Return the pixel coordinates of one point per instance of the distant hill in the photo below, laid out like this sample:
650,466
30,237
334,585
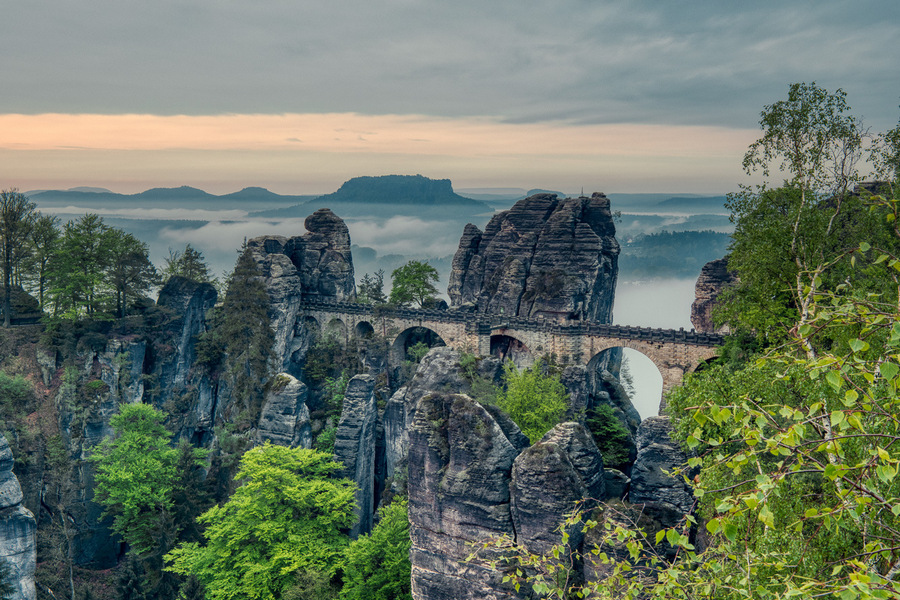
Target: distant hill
183,197
398,189
387,194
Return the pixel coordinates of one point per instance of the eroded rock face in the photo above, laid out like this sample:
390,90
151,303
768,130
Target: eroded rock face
548,479
17,530
439,371
284,419
714,277
543,257
459,474
314,266
656,453
354,446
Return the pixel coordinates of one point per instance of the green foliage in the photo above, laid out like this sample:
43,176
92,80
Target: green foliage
417,351
610,435
671,254
413,282
378,566
286,517
371,288
240,340
535,401
329,357
481,388
188,263
17,216
130,272
16,396
136,476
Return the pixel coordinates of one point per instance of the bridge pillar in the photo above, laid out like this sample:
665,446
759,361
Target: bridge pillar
483,329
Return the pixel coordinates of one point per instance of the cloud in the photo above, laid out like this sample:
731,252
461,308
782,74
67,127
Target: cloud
410,236
646,61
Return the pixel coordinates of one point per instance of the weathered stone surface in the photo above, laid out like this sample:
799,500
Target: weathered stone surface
714,277
616,484
17,530
656,453
189,302
122,369
544,256
459,475
314,266
439,371
284,419
548,479
354,446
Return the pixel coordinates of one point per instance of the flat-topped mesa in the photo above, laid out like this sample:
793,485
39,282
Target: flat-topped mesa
545,256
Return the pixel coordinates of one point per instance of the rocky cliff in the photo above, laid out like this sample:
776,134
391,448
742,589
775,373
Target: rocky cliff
17,531
314,266
543,257
714,277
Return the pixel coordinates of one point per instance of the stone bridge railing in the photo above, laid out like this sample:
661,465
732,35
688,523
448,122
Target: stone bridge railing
484,323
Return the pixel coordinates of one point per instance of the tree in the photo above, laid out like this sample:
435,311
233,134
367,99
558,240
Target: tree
371,288
534,400
240,340
131,273
17,214
188,263
136,474
413,282
44,238
286,517
378,566
790,240
77,270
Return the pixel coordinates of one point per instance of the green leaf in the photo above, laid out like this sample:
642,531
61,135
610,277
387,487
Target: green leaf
766,516
713,526
731,531
864,247
888,370
837,417
858,345
834,379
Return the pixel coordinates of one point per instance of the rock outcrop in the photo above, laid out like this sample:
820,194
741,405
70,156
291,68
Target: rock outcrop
459,475
354,446
284,419
314,266
17,530
543,257
657,454
714,277
548,479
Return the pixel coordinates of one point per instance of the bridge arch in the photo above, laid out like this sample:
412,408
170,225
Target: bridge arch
364,329
411,336
640,377
336,328
505,346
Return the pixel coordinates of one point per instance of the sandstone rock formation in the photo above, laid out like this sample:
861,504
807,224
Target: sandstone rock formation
314,266
548,479
354,446
439,371
714,277
543,257
284,419
459,475
656,455
17,530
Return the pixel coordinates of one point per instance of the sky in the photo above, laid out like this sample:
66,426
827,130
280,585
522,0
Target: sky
639,96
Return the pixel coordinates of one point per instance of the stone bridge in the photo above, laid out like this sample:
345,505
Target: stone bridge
674,352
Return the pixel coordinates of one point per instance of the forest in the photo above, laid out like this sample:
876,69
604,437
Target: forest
792,433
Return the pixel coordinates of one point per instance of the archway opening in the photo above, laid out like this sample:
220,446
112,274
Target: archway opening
507,347
336,329
364,329
413,343
638,376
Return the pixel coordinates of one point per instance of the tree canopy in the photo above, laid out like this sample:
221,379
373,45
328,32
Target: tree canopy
534,400
17,216
286,517
413,282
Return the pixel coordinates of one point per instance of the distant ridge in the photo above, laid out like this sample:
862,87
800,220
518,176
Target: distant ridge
398,189
162,195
